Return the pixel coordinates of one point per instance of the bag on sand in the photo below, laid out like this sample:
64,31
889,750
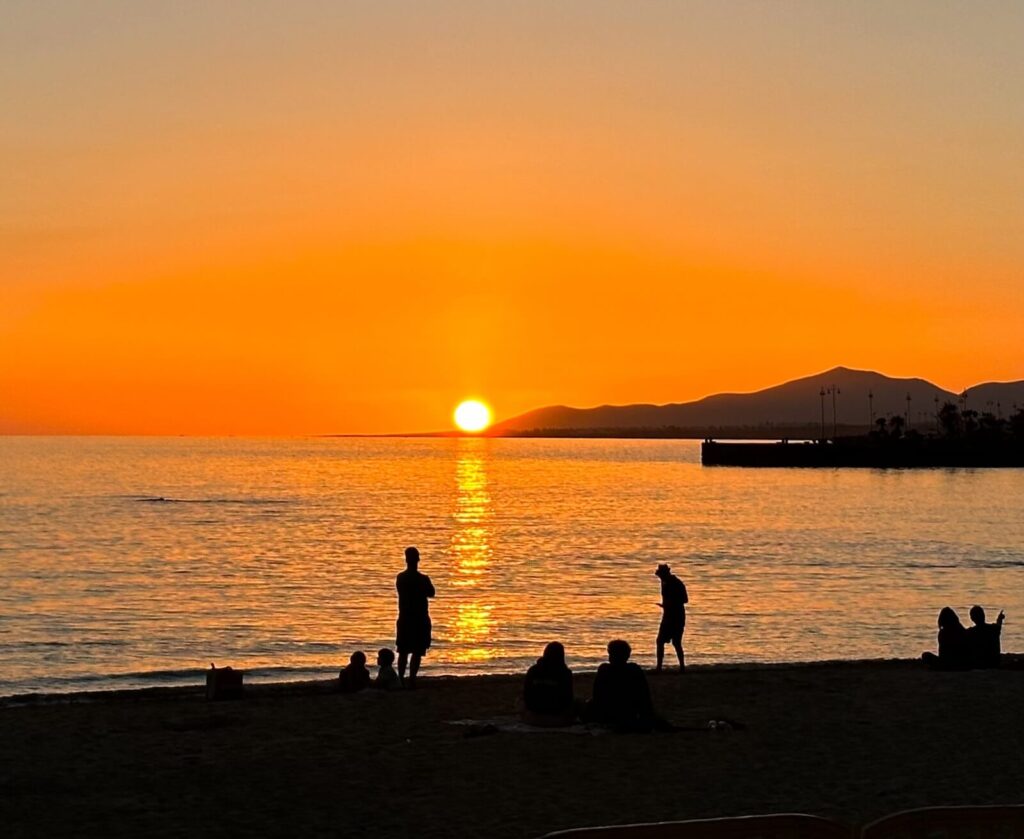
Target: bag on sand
223,683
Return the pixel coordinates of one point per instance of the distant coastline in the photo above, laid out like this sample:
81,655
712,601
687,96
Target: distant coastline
840,402
750,432
836,402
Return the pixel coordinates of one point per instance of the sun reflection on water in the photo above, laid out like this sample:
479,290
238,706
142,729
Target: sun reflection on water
471,555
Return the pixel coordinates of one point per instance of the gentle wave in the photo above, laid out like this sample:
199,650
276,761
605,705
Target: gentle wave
184,677
20,645
159,499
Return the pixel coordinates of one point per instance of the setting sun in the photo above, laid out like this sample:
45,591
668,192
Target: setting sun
472,415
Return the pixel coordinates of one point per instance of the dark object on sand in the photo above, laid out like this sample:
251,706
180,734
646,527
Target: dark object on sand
223,683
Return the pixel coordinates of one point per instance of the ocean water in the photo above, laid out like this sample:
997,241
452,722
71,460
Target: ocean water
130,562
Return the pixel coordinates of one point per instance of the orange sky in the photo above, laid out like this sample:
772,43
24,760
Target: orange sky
318,217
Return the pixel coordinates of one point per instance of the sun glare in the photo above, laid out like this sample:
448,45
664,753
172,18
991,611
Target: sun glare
472,415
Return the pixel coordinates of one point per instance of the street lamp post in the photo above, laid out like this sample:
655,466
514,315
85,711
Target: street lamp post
822,395
834,390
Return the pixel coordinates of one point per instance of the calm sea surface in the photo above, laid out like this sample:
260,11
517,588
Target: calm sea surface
137,561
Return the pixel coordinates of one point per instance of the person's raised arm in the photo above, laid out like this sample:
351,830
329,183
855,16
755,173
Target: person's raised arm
1001,618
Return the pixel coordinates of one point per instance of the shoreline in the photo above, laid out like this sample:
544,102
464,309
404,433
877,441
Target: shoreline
311,687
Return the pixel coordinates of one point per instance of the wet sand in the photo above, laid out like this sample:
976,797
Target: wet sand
852,741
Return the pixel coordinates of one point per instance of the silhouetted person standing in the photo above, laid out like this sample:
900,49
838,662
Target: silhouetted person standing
413,629
621,698
673,614
953,651
983,639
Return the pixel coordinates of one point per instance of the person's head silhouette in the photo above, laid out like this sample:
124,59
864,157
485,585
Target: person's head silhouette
358,659
663,571
412,557
977,615
619,652
385,657
554,654
948,618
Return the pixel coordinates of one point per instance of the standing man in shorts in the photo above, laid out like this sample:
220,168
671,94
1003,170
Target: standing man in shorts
413,629
673,614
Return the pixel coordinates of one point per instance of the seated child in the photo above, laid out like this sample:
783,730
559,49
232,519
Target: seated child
387,678
354,677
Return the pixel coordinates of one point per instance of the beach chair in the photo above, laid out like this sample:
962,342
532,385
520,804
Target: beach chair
780,826
982,822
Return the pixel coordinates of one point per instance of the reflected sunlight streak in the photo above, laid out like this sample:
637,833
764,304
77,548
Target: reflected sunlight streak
470,552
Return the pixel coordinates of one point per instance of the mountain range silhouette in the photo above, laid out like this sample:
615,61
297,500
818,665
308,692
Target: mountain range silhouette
793,403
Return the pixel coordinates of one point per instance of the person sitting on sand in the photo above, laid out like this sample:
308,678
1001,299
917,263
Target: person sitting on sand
622,699
387,678
413,627
547,693
354,677
673,614
953,651
983,643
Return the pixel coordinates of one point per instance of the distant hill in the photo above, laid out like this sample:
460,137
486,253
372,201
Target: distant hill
796,403
996,397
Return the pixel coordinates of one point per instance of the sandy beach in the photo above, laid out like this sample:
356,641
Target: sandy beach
851,741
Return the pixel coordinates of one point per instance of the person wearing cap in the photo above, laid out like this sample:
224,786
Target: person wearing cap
673,614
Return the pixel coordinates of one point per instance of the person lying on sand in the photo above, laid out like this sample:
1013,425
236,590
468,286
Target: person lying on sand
354,677
387,678
953,650
547,692
622,699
